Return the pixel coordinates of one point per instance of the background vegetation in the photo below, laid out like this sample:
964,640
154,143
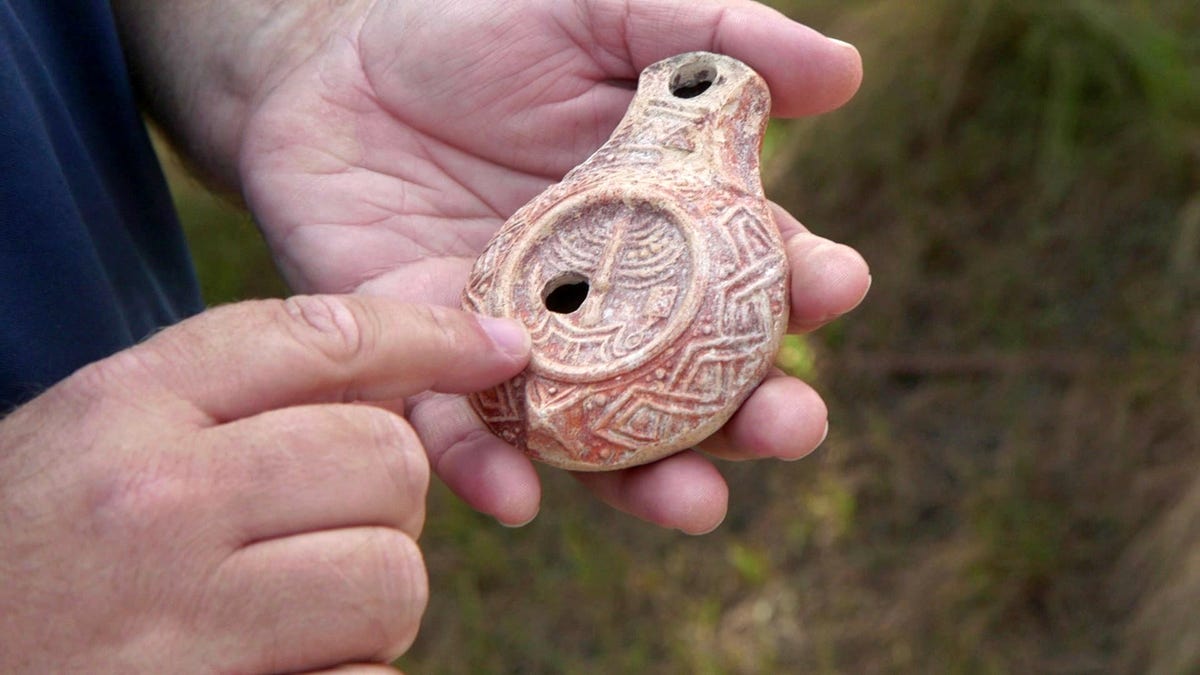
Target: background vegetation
1011,480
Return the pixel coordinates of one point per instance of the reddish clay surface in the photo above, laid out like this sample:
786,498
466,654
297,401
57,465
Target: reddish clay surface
652,278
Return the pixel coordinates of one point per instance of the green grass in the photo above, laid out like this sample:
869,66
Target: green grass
1007,486
232,260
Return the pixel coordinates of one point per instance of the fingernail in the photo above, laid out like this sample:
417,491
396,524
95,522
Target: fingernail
842,43
514,526
508,335
870,280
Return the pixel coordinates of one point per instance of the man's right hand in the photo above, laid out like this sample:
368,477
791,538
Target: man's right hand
236,494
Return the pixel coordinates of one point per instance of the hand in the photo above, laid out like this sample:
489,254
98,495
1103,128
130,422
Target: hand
215,498
383,162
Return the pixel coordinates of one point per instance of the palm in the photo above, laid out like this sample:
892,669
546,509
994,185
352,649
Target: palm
393,177
385,162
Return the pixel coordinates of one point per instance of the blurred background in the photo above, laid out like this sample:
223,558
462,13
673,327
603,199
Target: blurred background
1012,479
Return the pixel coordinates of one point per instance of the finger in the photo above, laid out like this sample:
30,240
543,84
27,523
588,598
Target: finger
316,600
807,72
359,669
488,474
783,418
242,359
683,492
828,279
310,468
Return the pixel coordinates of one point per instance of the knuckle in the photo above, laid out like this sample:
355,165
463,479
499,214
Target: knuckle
98,378
114,374
119,387
444,326
333,325
132,499
397,569
388,430
402,458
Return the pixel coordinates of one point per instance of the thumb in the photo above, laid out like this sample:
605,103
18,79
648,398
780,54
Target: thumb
242,359
807,72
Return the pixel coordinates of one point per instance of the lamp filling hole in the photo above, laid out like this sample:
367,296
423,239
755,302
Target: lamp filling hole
565,294
692,80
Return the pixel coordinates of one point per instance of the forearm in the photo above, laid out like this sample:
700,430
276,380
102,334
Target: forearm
200,66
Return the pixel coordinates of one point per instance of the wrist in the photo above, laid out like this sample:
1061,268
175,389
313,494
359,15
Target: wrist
200,68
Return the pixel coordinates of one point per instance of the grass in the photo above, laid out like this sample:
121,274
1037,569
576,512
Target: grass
232,260
1008,483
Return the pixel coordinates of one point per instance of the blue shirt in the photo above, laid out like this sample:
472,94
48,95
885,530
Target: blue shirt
92,258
